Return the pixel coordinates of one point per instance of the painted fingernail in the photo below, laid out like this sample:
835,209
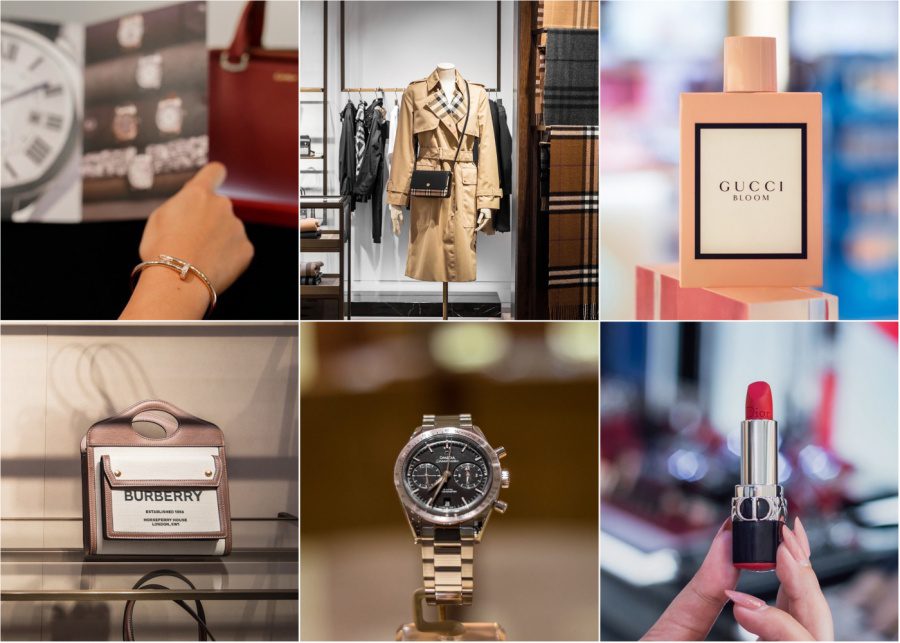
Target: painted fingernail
745,600
795,548
804,538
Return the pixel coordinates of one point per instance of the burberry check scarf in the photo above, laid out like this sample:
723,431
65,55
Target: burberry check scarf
572,77
570,203
574,14
442,106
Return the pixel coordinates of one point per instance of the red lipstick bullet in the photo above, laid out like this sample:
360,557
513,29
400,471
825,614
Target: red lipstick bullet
759,402
758,509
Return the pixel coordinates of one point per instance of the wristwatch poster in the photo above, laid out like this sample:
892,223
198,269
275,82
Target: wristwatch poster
146,107
448,478
42,97
105,121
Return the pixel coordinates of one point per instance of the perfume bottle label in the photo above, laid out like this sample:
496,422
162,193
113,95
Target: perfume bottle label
750,188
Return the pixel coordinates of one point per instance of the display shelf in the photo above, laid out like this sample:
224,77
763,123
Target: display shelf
65,575
330,287
330,241
323,90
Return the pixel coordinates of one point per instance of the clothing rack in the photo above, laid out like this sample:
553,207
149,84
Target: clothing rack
364,90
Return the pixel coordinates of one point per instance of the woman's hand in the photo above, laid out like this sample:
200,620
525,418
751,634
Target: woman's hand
198,226
691,615
800,612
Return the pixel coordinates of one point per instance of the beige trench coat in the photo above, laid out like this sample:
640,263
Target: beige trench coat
442,231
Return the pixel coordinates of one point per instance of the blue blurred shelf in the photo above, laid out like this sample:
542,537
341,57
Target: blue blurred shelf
860,164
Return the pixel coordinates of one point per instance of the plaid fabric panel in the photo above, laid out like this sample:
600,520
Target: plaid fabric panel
572,14
429,192
572,207
443,107
572,79
539,84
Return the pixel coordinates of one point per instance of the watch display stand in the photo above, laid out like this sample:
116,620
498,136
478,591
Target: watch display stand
445,629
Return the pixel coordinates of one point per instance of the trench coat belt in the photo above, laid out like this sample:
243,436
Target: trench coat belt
445,154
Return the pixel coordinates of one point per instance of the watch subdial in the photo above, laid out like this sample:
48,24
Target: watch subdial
426,475
467,475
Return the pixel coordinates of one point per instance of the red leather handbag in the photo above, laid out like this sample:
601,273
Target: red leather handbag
253,103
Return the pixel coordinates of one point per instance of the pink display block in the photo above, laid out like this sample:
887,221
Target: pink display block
661,296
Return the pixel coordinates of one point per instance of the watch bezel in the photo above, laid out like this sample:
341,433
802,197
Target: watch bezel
480,509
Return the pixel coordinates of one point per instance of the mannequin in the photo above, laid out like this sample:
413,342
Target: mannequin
447,76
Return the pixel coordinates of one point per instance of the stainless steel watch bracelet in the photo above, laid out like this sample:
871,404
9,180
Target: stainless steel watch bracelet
463,421
447,564
448,552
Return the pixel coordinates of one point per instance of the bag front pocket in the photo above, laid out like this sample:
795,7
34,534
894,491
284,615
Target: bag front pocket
150,498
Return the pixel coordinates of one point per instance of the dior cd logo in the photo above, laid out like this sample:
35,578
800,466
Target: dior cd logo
755,190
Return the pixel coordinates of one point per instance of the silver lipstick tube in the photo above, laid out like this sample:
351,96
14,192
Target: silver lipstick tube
758,507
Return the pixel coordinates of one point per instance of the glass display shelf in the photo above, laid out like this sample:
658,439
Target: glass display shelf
43,574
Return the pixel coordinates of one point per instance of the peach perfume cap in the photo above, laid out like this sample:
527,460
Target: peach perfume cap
750,64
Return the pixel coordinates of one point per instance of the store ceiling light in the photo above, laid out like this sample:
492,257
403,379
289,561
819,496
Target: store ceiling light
574,342
472,347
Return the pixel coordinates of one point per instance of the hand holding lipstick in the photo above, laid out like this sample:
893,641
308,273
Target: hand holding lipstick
691,615
800,613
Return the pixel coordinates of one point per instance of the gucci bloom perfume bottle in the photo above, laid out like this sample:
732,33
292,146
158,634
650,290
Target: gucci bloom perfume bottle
751,178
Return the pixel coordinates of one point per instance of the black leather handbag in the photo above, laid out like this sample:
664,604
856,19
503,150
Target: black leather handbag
436,183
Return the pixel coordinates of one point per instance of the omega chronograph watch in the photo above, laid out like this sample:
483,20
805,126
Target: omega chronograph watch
449,478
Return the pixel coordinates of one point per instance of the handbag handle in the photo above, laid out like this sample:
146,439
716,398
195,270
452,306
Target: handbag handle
198,615
151,411
248,35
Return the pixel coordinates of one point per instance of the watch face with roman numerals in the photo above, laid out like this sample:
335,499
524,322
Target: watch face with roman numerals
38,107
447,475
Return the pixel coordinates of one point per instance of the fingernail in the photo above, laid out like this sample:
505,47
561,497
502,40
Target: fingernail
800,529
795,548
745,600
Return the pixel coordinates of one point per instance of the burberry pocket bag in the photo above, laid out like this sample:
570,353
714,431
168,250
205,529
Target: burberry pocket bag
155,496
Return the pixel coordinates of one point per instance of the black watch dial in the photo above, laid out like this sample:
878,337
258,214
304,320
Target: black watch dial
447,475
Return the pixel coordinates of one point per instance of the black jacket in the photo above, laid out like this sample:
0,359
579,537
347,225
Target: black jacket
347,152
503,140
369,179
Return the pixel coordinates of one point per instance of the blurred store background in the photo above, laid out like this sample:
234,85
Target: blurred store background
653,51
532,388
672,400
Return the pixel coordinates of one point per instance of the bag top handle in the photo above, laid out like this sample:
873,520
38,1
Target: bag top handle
144,411
248,34
184,430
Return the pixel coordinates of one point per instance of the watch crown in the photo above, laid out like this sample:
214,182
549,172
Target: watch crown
501,452
504,478
500,506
